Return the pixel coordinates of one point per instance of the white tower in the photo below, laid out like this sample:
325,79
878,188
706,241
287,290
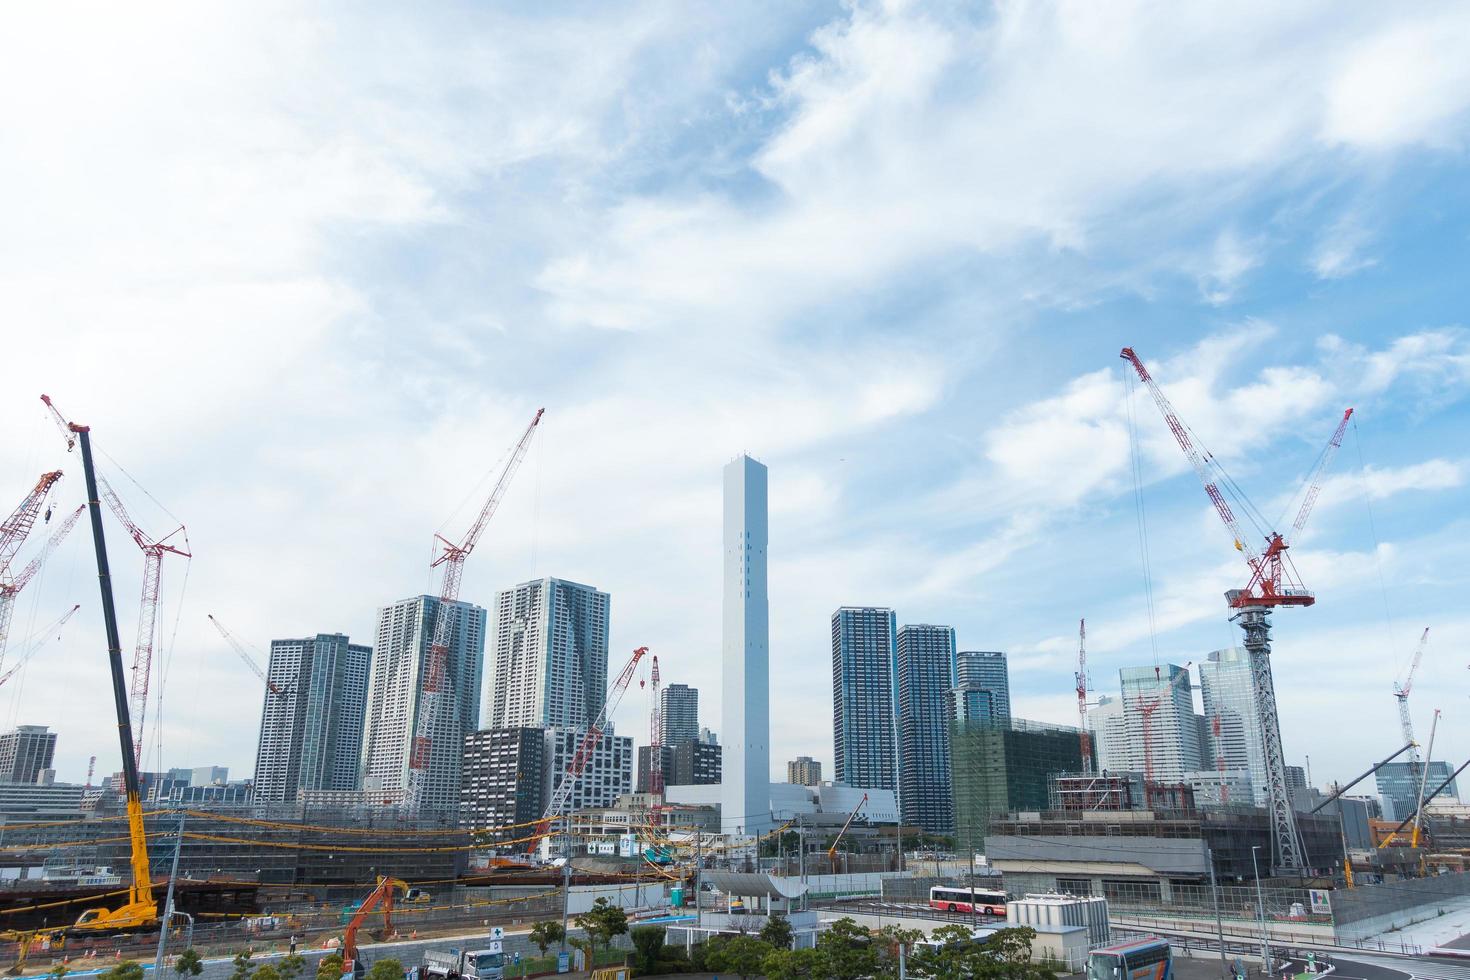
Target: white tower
745,799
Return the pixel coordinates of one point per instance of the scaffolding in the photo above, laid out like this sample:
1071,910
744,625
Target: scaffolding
1004,766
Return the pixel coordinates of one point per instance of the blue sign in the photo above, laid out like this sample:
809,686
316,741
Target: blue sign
563,963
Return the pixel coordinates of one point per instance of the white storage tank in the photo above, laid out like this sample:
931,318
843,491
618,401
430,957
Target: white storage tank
1062,910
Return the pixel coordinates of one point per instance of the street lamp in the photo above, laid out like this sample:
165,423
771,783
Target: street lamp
1261,914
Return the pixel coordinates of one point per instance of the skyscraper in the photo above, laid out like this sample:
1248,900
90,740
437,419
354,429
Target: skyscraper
985,670
925,679
24,752
745,800
1159,701
504,780
549,655
311,732
1109,736
405,630
864,726
679,713
1398,783
1225,684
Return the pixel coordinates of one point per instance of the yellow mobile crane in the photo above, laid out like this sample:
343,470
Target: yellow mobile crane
140,911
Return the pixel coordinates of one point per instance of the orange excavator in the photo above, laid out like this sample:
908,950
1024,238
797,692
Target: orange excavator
381,895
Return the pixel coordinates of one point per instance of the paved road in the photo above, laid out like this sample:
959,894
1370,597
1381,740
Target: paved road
1360,967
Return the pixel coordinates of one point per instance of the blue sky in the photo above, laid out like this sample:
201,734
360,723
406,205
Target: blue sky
309,270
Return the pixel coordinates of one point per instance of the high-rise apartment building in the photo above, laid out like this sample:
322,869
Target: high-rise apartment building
1159,701
985,670
804,771
925,678
864,722
548,655
25,751
607,775
745,799
504,780
1109,735
311,731
1229,703
400,648
679,713
690,763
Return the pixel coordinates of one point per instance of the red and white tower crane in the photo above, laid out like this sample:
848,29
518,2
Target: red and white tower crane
655,742
433,685
1146,705
11,588
245,655
18,525
1082,696
1273,583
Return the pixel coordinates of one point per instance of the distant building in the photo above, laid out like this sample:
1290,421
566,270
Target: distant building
1296,778
1230,705
213,794
609,770
400,650
679,714
708,737
548,655
644,783
1002,768
311,719
1398,784
25,751
1159,700
985,670
504,780
1109,734
864,723
1232,787
695,764
973,705
745,651
804,770
925,677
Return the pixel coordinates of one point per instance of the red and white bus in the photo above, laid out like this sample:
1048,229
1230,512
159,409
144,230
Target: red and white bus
967,900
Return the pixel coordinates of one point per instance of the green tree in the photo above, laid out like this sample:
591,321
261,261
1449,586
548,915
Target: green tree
795,964
266,972
125,971
743,956
648,941
546,934
329,967
242,966
389,969
58,971
777,932
848,951
291,966
188,963
603,921
1012,945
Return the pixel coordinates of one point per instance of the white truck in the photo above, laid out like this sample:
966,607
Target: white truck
466,964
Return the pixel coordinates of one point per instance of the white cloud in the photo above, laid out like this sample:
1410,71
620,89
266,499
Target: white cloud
1339,250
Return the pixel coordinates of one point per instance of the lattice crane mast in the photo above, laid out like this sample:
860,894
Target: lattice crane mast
18,525
1083,735
433,686
244,654
9,590
1273,583
562,793
655,740
35,648
1402,694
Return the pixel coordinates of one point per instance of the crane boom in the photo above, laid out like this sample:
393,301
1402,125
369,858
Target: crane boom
1314,482
1401,693
140,910
9,590
832,851
36,647
18,525
244,654
568,782
436,663
1082,696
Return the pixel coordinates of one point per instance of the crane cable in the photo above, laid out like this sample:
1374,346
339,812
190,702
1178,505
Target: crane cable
1135,457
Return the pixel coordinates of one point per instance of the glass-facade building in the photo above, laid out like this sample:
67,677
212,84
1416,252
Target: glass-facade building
985,670
864,726
1225,684
925,679
1159,701
1398,784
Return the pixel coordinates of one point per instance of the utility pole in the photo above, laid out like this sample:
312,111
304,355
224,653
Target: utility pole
168,901
1261,914
566,897
1219,926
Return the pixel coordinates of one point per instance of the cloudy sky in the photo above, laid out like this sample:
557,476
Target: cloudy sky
309,270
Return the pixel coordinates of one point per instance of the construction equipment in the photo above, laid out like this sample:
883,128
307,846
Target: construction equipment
11,589
36,647
244,654
1082,733
655,746
140,911
25,939
1273,583
1401,693
18,525
563,791
1147,705
432,687
381,895
832,851
1424,781
153,551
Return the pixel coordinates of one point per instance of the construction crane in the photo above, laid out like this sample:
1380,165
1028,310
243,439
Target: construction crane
655,741
832,851
433,685
562,793
91,771
1146,706
18,525
35,648
380,895
250,662
140,910
9,590
1402,694
1082,733
1273,583
153,551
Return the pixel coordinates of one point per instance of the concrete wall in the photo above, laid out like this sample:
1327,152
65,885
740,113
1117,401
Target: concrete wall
1368,910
